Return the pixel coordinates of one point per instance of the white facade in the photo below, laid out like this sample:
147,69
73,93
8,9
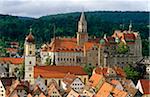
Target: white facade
139,87
2,90
77,85
40,83
30,61
61,58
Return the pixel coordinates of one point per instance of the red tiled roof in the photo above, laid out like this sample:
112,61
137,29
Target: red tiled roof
15,61
104,90
69,78
14,43
145,83
95,79
129,36
57,71
67,45
115,82
89,45
30,38
108,89
120,71
104,71
64,45
12,50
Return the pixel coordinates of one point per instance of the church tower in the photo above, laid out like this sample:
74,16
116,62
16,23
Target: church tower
82,35
30,57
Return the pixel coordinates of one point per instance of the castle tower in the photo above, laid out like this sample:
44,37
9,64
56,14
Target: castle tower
82,35
30,57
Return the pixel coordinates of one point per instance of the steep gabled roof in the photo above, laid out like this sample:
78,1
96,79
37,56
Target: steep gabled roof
69,78
95,79
107,89
145,83
51,89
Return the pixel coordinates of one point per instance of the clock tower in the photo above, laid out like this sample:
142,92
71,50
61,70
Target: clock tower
30,57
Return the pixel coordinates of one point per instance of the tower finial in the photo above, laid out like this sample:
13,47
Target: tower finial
130,26
30,30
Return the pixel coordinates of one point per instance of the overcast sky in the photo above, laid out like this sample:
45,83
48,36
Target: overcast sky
37,8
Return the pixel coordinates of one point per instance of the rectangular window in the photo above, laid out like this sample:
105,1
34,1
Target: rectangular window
30,52
46,82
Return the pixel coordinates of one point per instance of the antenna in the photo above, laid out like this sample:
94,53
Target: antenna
123,24
54,31
54,44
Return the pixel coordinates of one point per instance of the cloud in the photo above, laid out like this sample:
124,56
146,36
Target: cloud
37,8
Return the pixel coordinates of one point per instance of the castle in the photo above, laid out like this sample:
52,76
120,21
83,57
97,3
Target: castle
97,52
123,47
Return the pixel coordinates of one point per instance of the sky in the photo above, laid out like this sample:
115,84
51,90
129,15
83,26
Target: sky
38,8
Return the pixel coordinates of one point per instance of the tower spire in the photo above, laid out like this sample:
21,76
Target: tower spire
82,18
82,35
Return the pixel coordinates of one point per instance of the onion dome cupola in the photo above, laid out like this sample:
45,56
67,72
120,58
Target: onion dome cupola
30,38
102,41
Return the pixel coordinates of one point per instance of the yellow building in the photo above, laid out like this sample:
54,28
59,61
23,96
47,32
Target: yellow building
30,57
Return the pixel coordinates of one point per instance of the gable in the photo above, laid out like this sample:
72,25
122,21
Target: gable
77,81
54,92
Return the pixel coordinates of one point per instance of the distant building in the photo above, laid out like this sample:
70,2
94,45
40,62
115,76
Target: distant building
53,91
96,81
110,72
72,93
19,88
10,66
73,82
2,90
143,86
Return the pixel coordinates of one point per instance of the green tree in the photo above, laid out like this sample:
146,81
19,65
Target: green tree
88,68
22,71
122,48
131,72
48,61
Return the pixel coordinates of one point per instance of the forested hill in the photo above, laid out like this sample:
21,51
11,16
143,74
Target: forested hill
13,28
